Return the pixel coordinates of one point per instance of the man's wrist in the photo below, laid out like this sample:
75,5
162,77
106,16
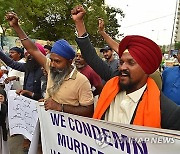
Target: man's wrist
102,32
61,108
81,21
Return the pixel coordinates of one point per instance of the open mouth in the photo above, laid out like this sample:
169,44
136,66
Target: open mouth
124,74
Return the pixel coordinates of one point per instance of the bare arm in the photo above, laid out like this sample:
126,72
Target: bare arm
27,43
113,44
86,111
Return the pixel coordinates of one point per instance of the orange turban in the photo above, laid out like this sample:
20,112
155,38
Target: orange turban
146,52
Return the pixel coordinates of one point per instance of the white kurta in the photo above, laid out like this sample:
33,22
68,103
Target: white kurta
13,72
123,106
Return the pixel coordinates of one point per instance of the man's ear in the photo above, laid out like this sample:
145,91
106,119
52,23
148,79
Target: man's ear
19,54
70,61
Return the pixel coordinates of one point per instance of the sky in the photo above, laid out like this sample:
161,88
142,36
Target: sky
150,18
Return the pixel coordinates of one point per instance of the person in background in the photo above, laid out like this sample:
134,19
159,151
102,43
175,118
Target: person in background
32,74
92,76
3,116
108,55
3,76
171,82
130,97
16,78
47,48
174,58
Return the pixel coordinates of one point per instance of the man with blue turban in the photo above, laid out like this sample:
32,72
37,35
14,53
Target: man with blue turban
67,89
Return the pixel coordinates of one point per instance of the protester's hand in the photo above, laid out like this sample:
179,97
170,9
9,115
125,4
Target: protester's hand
101,25
50,104
1,98
41,100
24,92
12,18
18,91
78,13
7,80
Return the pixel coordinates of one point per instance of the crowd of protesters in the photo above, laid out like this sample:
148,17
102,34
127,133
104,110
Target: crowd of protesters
129,88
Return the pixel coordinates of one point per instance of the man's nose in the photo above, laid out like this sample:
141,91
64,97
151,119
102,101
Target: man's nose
123,66
52,64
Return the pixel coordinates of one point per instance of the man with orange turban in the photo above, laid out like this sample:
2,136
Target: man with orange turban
130,96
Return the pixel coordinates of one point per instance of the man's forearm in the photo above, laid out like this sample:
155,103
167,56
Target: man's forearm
113,44
27,43
85,111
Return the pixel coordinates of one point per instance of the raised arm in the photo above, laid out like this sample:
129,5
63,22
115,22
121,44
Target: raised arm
27,43
113,44
87,49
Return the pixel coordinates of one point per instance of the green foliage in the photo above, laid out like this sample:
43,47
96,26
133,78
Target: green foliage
163,49
177,45
4,7
51,19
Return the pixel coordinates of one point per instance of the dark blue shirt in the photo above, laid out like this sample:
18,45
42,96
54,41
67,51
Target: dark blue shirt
114,64
171,83
32,80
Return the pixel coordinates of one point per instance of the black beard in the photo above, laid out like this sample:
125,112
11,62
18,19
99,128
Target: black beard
125,87
32,65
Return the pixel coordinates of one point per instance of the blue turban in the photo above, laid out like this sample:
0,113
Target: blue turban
63,49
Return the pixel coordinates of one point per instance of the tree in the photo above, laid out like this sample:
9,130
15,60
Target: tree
51,19
177,45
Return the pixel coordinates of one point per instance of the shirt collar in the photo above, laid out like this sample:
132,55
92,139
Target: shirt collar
73,74
136,95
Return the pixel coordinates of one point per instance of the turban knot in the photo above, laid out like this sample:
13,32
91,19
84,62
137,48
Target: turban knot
146,52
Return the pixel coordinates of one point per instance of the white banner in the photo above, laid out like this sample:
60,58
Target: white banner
22,115
64,133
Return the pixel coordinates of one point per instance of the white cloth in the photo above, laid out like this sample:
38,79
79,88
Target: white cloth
13,72
123,106
7,86
4,76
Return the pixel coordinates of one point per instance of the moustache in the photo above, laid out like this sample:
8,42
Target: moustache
55,70
124,73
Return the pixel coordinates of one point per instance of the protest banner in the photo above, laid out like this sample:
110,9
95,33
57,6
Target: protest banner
63,133
22,115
